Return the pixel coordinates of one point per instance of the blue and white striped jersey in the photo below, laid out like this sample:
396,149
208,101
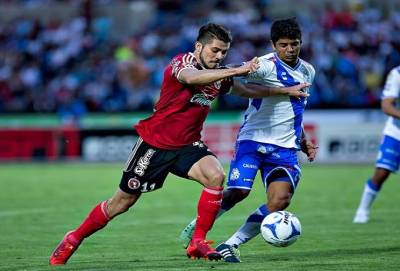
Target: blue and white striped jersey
392,90
276,119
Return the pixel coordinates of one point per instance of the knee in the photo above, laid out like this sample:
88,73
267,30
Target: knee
278,202
215,178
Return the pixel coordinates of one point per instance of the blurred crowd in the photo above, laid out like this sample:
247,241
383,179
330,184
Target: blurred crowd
77,66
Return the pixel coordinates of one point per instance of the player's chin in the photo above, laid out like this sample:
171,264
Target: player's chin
213,65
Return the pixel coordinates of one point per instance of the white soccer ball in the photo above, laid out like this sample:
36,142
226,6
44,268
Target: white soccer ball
280,229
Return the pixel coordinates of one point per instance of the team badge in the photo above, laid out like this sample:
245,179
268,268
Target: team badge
133,183
235,174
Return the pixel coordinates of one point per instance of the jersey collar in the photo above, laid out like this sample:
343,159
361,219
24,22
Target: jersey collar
286,65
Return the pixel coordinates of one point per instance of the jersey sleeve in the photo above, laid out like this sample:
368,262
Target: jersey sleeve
265,69
392,84
181,62
312,74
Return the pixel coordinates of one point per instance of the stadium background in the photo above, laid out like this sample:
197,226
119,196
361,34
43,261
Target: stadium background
75,76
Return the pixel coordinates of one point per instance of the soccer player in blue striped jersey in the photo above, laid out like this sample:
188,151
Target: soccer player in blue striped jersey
389,152
269,138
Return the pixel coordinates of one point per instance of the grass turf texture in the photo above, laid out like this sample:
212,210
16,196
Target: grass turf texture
40,202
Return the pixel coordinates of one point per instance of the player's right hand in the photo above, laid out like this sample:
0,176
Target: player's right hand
298,90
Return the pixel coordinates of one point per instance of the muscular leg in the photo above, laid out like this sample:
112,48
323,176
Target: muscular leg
380,176
232,197
371,190
279,195
209,172
104,212
97,219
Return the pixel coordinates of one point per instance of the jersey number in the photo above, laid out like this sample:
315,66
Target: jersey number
150,188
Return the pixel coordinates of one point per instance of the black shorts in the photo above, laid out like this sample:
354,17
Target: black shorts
147,166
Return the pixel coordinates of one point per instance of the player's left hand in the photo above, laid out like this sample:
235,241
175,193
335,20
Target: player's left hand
309,149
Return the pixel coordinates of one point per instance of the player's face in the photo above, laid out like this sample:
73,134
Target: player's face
288,50
212,53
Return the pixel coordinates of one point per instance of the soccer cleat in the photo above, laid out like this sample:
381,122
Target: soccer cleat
361,217
63,251
230,253
201,249
186,234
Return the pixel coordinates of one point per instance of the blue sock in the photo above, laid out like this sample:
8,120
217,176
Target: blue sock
259,214
373,186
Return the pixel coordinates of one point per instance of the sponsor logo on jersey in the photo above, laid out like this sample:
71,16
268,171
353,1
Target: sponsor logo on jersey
248,180
250,166
235,174
201,99
276,155
198,144
133,183
143,162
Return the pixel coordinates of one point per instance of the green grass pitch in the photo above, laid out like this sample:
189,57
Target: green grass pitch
40,202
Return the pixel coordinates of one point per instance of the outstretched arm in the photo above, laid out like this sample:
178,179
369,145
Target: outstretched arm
204,77
251,90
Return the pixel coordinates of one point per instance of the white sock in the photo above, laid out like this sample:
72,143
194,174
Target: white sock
250,228
368,197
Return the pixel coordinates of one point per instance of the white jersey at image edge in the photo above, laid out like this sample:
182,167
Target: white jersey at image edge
392,90
276,119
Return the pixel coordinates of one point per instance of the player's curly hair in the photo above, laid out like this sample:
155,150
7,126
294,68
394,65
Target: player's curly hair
285,28
212,31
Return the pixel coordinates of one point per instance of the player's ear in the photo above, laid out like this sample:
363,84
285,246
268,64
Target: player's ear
198,46
272,44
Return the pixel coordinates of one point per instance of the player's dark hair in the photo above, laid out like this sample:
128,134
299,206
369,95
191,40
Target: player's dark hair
212,31
285,28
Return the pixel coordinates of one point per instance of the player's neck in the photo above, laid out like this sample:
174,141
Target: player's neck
291,64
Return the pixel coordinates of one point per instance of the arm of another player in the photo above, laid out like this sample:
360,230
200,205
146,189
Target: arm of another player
206,76
308,147
388,106
251,90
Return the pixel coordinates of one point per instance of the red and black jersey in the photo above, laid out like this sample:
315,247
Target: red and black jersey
181,109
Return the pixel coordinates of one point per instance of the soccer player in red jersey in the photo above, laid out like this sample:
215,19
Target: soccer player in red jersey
170,142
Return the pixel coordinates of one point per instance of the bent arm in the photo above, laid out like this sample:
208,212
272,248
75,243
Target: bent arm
389,108
251,90
203,77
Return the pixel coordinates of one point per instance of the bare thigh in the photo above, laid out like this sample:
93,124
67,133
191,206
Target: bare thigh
208,171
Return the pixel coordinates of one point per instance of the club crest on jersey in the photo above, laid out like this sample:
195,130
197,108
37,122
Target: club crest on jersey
143,162
235,174
133,183
201,99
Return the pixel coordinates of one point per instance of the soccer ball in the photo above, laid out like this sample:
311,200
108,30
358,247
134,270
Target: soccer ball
280,229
